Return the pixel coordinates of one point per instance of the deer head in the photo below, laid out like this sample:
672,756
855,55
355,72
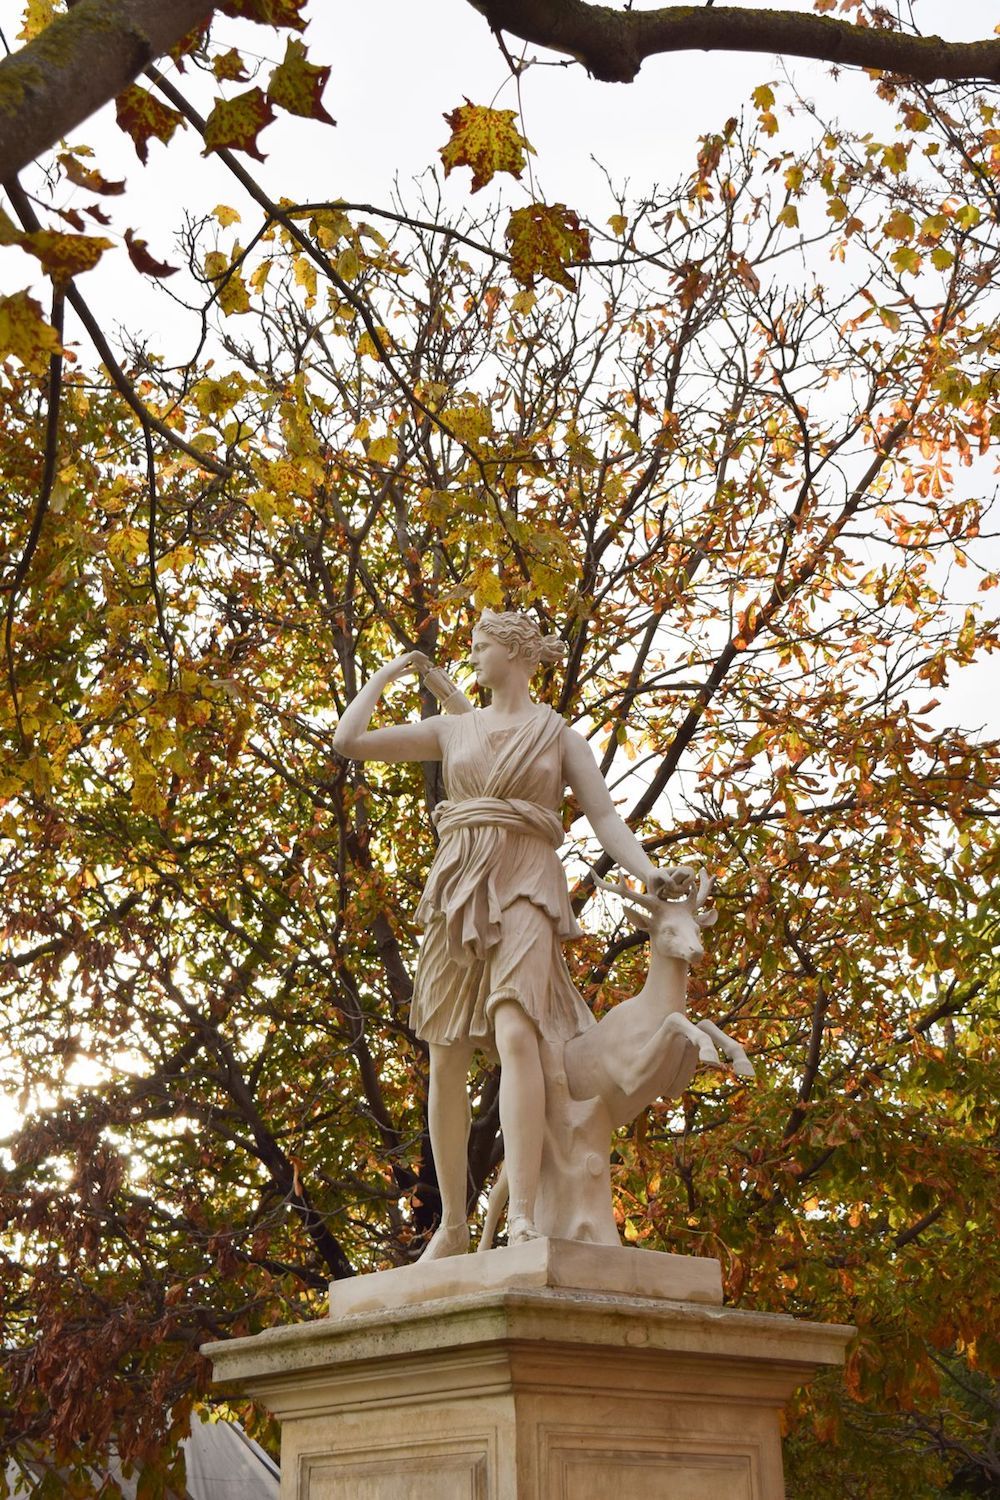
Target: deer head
674,927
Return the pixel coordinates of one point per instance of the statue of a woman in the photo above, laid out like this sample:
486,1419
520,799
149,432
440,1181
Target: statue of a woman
491,973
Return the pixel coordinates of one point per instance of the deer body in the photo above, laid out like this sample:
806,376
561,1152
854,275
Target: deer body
644,1049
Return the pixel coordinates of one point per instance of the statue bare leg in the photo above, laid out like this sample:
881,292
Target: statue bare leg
449,1118
522,1114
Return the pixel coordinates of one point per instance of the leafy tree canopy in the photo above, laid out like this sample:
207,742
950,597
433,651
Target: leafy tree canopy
733,440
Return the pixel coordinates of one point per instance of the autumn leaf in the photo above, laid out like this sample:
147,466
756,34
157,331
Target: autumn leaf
145,118
63,256
486,140
229,67
544,241
194,41
231,292
234,124
285,14
143,261
297,85
87,177
37,15
25,333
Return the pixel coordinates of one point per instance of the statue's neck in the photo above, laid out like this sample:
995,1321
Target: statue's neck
511,700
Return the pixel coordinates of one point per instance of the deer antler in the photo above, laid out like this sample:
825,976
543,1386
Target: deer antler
640,898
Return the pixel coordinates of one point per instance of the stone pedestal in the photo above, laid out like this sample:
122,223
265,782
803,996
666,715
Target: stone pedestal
531,1386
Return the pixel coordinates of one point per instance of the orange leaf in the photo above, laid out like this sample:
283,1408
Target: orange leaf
87,177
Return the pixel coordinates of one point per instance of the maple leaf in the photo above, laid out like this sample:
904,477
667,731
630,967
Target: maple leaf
143,261
544,240
87,177
143,117
230,67
236,123
485,140
297,85
25,333
193,42
63,256
230,286
284,13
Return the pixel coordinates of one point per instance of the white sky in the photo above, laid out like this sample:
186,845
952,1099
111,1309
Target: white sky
397,67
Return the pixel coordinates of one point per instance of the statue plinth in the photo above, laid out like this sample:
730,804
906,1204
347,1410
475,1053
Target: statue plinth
529,1387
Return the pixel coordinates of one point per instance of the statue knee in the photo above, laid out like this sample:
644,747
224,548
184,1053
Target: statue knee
516,1037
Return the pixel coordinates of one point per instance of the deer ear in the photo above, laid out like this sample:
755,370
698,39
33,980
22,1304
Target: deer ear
636,916
707,918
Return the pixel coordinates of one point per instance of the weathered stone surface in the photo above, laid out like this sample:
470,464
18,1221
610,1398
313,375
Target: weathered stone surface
532,1393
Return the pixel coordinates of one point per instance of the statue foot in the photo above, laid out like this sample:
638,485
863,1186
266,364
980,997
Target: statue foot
520,1231
447,1239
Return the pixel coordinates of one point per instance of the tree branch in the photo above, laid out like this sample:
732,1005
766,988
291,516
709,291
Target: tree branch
79,62
613,44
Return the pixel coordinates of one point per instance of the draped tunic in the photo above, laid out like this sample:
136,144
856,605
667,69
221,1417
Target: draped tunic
496,904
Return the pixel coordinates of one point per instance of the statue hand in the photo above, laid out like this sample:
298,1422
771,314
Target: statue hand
410,661
675,882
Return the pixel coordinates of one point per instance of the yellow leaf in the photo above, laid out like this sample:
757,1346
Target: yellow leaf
347,264
305,275
297,84
231,293
618,223
25,333
485,140
763,96
37,15
383,450
544,241
225,215
789,216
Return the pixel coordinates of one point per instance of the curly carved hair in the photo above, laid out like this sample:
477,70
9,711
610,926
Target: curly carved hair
522,637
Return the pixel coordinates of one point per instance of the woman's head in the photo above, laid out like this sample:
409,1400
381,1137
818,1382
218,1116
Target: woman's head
522,642
522,637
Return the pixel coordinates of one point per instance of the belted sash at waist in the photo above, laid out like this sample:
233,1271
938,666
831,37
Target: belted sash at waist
513,813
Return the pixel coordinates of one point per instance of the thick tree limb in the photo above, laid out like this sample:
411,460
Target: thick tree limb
86,57
613,44
79,62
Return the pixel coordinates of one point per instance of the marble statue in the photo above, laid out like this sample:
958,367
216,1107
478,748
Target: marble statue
491,973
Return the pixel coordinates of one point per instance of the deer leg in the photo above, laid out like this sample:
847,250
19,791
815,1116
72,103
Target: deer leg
730,1048
707,1055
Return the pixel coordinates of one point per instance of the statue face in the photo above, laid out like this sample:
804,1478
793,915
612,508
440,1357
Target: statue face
491,660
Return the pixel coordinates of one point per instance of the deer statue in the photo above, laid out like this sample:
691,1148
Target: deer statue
644,1049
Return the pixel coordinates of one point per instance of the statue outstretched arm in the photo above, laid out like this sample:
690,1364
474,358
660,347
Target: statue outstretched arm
616,838
417,741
